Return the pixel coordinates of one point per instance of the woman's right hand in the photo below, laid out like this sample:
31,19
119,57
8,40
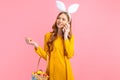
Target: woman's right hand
31,42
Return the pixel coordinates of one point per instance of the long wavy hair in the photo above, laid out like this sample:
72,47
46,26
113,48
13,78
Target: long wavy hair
53,35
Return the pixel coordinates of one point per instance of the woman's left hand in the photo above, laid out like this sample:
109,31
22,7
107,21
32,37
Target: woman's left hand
66,30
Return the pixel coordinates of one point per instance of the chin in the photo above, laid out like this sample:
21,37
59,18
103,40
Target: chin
60,27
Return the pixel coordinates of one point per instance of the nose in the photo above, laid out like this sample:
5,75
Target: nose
60,20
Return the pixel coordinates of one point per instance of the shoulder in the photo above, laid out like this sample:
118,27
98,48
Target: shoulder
47,35
72,36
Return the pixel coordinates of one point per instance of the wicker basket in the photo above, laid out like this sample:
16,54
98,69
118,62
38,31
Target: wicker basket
39,77
39,74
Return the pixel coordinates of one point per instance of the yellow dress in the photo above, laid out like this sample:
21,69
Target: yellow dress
59,67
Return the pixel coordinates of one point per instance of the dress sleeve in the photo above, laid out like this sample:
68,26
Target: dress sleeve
69,47
43,52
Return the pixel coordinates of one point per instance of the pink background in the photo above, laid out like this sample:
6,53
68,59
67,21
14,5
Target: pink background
96,26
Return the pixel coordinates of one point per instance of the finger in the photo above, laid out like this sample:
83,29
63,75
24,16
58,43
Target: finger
25,38
63,29
28,40
68,25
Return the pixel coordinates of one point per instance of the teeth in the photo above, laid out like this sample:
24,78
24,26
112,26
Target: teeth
59,24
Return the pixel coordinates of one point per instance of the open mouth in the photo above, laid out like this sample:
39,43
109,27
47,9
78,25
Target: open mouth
60,24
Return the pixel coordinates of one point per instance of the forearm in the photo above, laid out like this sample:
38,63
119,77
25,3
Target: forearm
69,48
41,52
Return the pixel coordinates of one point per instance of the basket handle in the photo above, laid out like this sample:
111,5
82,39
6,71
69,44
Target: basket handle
39,62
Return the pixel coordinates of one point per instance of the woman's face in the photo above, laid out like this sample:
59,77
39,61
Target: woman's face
62,20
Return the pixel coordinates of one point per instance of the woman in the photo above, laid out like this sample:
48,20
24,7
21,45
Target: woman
59,46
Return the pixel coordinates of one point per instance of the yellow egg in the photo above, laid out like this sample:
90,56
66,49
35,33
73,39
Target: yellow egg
39,72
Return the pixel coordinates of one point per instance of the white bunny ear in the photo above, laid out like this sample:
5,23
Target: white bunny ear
60,5
73,8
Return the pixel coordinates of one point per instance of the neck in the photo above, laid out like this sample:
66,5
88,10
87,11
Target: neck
59,31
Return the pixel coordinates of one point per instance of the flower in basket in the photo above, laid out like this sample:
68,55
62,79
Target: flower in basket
45,75
34,76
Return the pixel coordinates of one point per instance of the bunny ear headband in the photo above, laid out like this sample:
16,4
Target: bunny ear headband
71,9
